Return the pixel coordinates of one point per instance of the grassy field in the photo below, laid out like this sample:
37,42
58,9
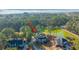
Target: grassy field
65,34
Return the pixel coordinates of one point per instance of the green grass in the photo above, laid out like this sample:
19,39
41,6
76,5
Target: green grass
64,33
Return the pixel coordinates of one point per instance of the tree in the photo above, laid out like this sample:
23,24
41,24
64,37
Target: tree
40,28
3,41
26,31
73,25
8,32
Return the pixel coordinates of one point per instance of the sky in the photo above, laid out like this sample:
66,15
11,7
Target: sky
13,11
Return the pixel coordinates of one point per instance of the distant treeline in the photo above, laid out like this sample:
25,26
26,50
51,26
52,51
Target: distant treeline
16,21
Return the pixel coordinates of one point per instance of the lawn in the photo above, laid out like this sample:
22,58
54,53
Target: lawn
64,34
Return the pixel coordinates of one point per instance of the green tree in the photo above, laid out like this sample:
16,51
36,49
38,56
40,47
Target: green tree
8,32
3,41
40,28
73,25
26,31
